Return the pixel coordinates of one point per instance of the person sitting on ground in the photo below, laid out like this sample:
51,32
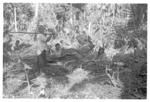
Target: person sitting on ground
58,50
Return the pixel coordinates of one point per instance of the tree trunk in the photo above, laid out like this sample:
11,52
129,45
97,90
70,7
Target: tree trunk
35,19
71,21
15,20
36,10
89,29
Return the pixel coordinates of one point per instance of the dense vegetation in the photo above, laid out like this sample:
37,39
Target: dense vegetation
104,50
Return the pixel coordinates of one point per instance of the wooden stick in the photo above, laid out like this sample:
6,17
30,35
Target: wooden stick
29,87
29,33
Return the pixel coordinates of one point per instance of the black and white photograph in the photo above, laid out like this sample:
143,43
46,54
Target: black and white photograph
74,50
